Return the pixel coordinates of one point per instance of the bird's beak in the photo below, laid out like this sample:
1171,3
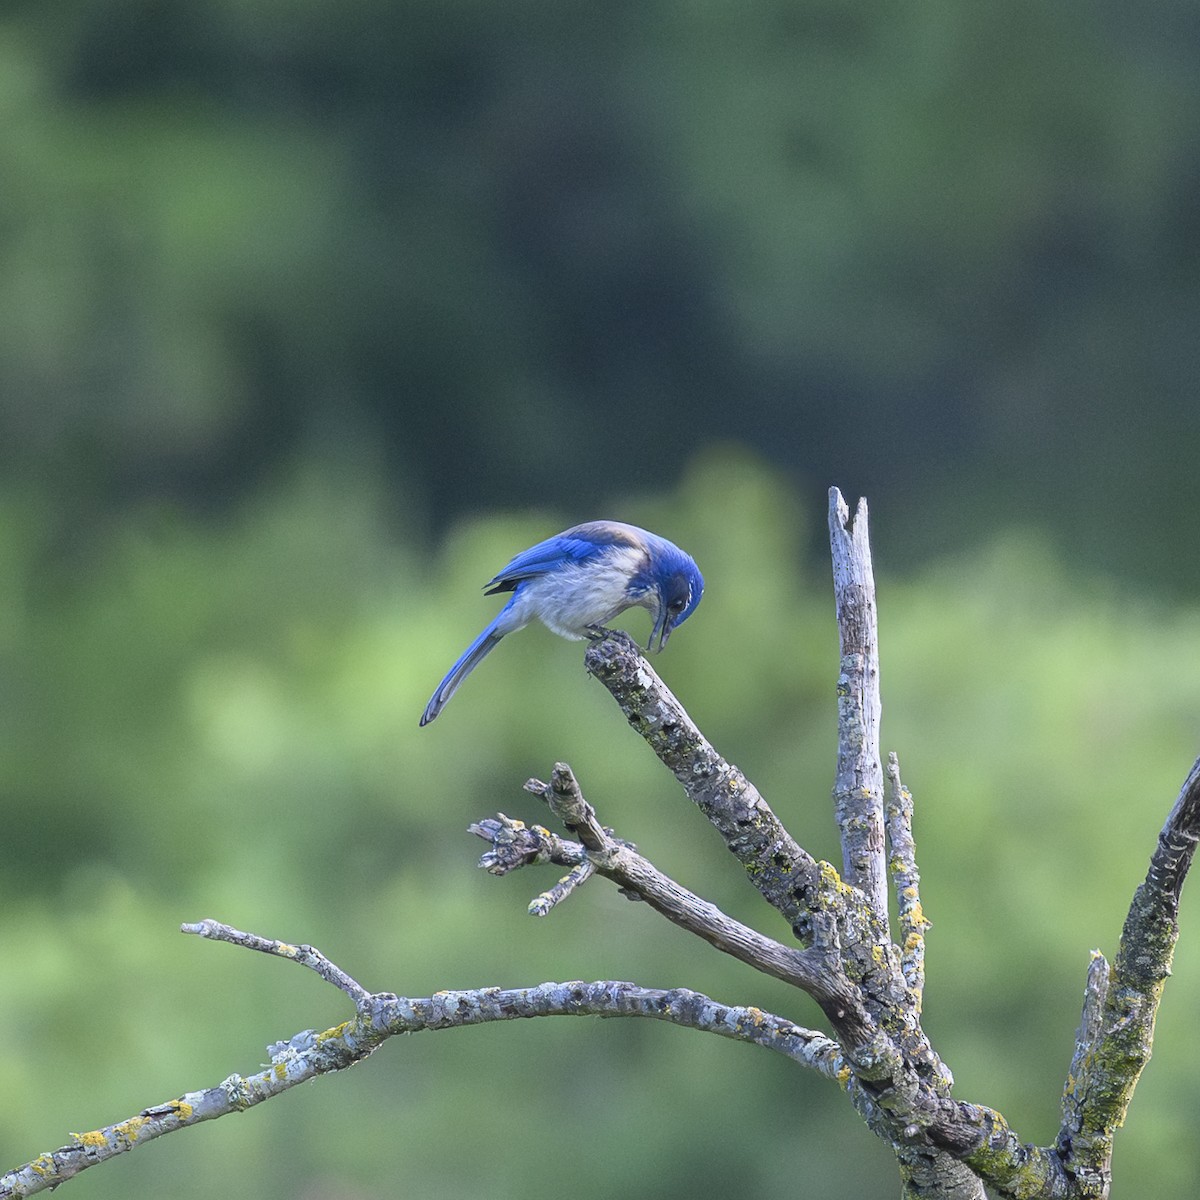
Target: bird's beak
661,629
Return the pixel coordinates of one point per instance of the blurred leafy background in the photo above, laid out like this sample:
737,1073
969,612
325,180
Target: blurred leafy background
311,314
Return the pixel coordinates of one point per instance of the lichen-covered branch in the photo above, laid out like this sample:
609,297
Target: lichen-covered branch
306,956
515,845
818,904
906,880
937,1139
858,784
899,1096
787,876
380,1016
1112,1046
303,1057
1115,1044
803,890
813,970
1073,1142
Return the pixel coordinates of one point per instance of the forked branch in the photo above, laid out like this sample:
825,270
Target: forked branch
870,989
380,1016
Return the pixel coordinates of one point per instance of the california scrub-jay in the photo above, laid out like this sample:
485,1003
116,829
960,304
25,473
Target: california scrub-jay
576,581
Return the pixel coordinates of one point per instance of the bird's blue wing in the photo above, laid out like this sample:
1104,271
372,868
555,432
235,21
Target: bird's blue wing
573,546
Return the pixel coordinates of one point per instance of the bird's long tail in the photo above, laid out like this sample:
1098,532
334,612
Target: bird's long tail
474,654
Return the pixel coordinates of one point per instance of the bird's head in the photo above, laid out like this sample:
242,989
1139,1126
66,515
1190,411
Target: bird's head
675,592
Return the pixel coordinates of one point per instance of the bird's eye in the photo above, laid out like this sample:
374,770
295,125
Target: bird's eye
676,606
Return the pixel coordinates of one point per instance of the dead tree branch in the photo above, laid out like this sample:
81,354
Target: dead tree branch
906,880
380,1016
858,785
870,989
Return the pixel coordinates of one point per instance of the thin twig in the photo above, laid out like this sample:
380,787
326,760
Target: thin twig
306,956
543,902
516,845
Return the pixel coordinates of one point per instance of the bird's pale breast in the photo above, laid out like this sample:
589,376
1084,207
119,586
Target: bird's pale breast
571,598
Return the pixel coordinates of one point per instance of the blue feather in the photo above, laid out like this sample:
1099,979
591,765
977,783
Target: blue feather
573,546
471,657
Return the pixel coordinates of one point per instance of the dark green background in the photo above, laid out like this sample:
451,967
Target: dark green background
312,314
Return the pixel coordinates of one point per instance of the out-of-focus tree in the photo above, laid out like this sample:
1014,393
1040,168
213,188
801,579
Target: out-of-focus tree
219,718
937,240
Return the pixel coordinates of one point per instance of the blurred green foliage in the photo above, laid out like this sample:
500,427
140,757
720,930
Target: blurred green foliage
946,242
219,718
292,292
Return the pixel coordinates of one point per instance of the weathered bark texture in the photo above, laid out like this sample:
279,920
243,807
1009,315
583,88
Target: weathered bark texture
858,785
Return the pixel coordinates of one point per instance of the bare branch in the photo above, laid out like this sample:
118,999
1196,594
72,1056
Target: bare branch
309,1054
1104,1076
1112,1046
301,1058
786,875
858,787
906,880
543,902
306,956
565,800
1074,1100
1176,846
825,912
814,971
981,1138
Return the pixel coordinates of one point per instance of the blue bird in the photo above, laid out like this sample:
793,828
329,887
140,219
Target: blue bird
576,581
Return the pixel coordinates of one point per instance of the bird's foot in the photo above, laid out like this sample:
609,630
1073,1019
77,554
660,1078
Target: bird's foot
596,633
